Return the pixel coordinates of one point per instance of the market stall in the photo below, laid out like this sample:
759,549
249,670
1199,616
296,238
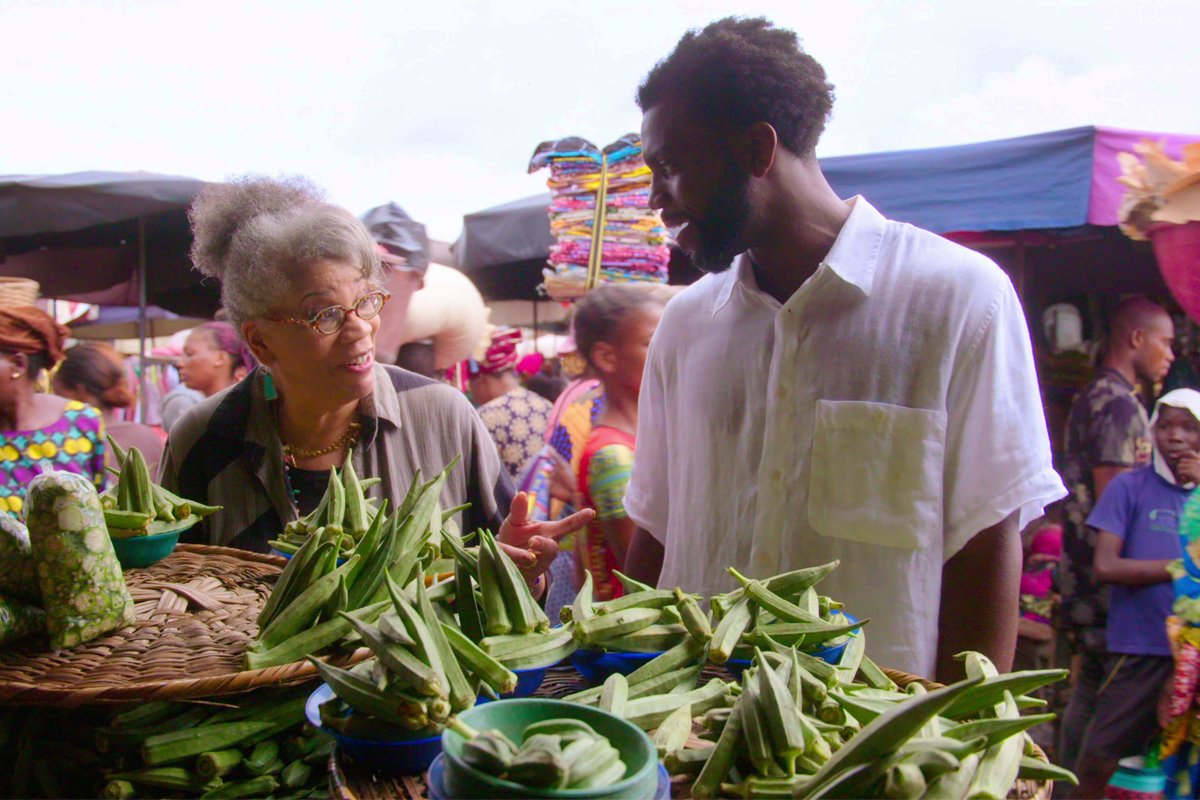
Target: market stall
108,238
194,669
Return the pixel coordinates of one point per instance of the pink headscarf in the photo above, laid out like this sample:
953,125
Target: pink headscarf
501,354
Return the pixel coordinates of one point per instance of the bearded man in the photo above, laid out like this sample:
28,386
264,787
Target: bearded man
840,387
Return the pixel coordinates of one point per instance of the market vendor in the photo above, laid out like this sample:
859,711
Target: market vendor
850,388
39,431
301,280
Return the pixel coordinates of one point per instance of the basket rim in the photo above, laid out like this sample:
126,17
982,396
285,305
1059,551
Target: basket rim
22,693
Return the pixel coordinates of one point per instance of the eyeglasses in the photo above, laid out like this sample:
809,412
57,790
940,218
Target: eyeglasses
330,320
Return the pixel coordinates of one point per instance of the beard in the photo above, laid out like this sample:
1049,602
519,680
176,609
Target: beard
721,230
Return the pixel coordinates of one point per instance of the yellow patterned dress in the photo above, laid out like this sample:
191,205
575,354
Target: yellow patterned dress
74,443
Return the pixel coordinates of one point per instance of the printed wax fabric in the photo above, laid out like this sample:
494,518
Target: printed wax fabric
1107,426
74,443
570,423
604,471
517,421
634,243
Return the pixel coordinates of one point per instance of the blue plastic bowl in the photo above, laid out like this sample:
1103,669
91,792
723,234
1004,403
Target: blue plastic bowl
399,757
597,665
288,556
433,781
528,682
830,655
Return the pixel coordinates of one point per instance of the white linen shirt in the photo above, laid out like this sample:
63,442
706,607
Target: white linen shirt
883,415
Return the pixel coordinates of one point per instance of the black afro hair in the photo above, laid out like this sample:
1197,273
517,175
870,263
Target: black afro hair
739,71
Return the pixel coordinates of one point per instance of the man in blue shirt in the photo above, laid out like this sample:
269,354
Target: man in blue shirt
1137,523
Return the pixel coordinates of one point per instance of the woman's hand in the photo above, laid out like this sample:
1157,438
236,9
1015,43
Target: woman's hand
531,544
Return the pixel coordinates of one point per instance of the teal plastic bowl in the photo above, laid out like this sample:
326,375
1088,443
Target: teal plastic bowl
460,780
142,551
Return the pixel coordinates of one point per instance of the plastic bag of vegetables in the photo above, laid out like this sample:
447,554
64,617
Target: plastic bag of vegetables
19,620
83,588
18,573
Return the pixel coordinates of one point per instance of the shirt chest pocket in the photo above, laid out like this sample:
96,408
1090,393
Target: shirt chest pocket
877,473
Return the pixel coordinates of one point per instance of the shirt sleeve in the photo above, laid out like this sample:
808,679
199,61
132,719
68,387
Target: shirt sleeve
1115,433
1114,509
646,496
608,475
488,486
997,449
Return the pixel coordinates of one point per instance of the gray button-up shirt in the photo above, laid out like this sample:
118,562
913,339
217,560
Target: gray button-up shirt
226,451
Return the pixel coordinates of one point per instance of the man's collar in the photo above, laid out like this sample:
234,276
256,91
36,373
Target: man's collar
855,252
853,257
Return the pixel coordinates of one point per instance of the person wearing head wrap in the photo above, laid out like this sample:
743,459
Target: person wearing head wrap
40,432
515,416
404,250
1137,520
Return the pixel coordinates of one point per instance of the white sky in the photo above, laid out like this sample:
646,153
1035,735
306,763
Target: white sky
438,104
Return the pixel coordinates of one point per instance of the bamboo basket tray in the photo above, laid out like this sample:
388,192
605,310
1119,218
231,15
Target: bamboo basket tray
196,615
348,782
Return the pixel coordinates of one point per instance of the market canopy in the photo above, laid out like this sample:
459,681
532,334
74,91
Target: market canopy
1062,182
1060,179
79,235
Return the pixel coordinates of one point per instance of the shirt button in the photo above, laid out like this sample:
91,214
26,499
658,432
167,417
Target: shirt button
780,393
762,560
776,475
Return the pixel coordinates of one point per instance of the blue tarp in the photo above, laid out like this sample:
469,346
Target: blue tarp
1060,179
1031,182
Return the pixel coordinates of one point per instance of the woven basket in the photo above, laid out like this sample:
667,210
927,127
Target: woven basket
18,292
348,782
196,615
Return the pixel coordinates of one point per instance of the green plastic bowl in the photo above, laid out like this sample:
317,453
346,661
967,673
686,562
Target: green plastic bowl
463,781
142,551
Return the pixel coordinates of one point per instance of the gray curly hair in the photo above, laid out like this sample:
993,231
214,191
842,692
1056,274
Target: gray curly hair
254,234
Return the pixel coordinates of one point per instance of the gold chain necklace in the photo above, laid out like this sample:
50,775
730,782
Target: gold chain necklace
349,437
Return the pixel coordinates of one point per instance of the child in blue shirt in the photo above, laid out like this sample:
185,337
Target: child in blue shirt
1137,522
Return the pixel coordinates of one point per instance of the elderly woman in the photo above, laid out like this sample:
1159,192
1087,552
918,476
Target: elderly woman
301,279
39,432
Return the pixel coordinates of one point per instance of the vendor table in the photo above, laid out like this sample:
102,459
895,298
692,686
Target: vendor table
350,782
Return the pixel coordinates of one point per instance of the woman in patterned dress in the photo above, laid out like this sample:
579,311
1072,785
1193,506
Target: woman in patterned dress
39,432
613,327
515,416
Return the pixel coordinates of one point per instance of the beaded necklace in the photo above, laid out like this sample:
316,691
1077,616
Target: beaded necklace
290,454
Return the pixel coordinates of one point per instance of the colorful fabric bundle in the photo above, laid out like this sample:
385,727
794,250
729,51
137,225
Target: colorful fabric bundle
606,190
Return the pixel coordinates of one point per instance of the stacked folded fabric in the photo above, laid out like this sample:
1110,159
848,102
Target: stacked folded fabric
634,241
